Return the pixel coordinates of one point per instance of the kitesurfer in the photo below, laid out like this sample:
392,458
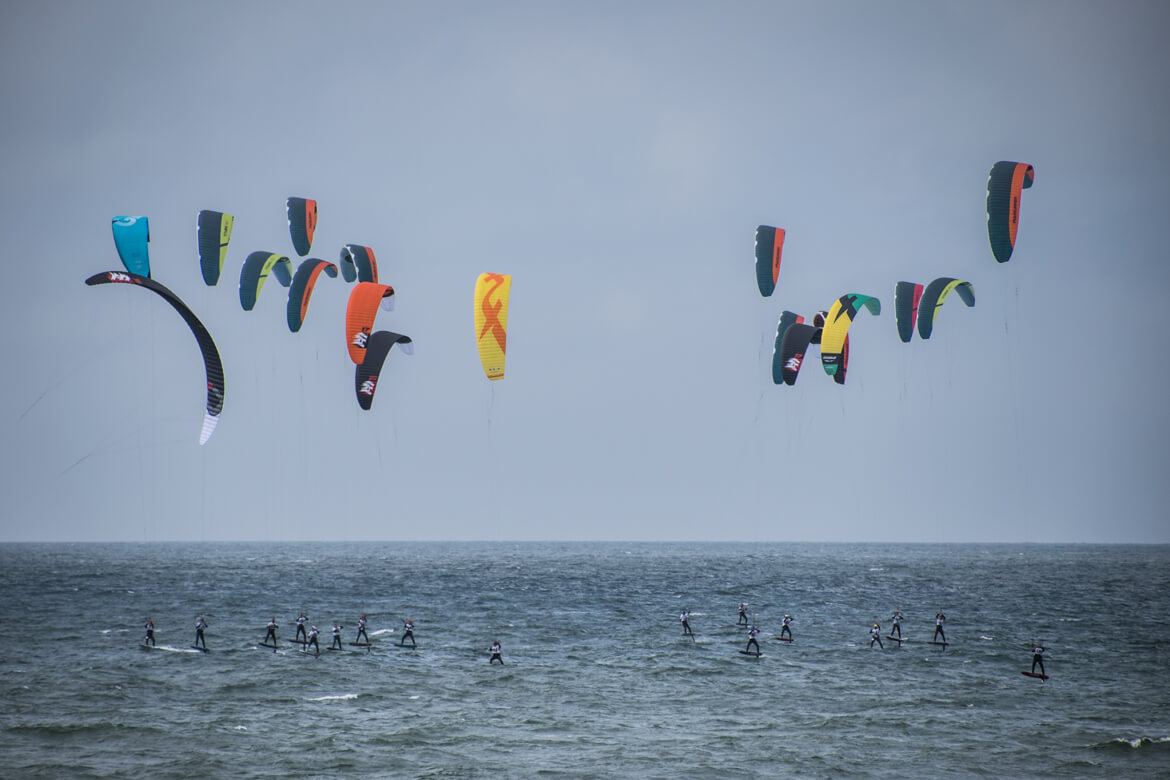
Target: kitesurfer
336,637
896,624
495,650
784,628
752,631
312,640
408,633
271,632
302,637
743,618
1038,657
875,635
149,632
685,625
939,619
200,624
362,629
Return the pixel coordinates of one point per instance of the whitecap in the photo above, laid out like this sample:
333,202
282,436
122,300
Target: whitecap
333,698
412,698
241,728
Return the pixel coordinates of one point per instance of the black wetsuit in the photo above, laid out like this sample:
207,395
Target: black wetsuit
686,626
875,635
1037,653
495,650
312,641
301,633
271,633
896,626
149,634
938,627
362,630
752,640
336,638
199,640
742,615
409,634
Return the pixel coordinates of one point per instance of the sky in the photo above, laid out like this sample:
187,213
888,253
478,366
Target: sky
615,158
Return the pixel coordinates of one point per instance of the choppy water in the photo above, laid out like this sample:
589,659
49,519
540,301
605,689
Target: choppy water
598,680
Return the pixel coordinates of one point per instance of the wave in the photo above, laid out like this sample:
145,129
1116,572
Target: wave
1159,745
334,698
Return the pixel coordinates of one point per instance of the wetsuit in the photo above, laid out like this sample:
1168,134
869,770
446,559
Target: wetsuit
495,651
896,623
149,632
408,633
742,620
336,637
312,640
199,640
939,619
752,631
686,626
301,620
875,635
784,629
362,629
1037,658
271,632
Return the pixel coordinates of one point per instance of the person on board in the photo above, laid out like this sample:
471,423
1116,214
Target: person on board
682,618
495,650
896,624
271,632
149,632
200,624
875,635
1038,658
785,626
752,631
302,637
336,637
743,619
362,629
408,633
312,640
939,619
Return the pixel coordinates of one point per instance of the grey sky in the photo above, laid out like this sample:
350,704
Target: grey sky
615,158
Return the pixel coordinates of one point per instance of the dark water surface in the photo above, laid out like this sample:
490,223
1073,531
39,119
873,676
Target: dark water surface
598,680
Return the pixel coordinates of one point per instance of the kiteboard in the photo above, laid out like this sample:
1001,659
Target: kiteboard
897,639
200,649
147,646
1033,674
359,644
265,644
403,644
784,638
753,655
932,642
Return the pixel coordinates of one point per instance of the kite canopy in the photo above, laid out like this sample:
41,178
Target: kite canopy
366,374
794,349
769,246
358,262
837,322
932,300
213,230
256,268
906,298
132,239
787,319
364,302
302,222
302,288
491,321
212,365
1004,185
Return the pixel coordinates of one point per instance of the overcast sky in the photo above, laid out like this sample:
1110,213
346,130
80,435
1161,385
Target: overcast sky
615,158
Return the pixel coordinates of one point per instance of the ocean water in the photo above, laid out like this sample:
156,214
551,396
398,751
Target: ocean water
598,680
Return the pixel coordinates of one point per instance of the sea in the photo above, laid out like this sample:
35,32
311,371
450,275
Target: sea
598,680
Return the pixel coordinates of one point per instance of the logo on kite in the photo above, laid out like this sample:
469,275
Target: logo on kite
359,339
793,363
369,386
